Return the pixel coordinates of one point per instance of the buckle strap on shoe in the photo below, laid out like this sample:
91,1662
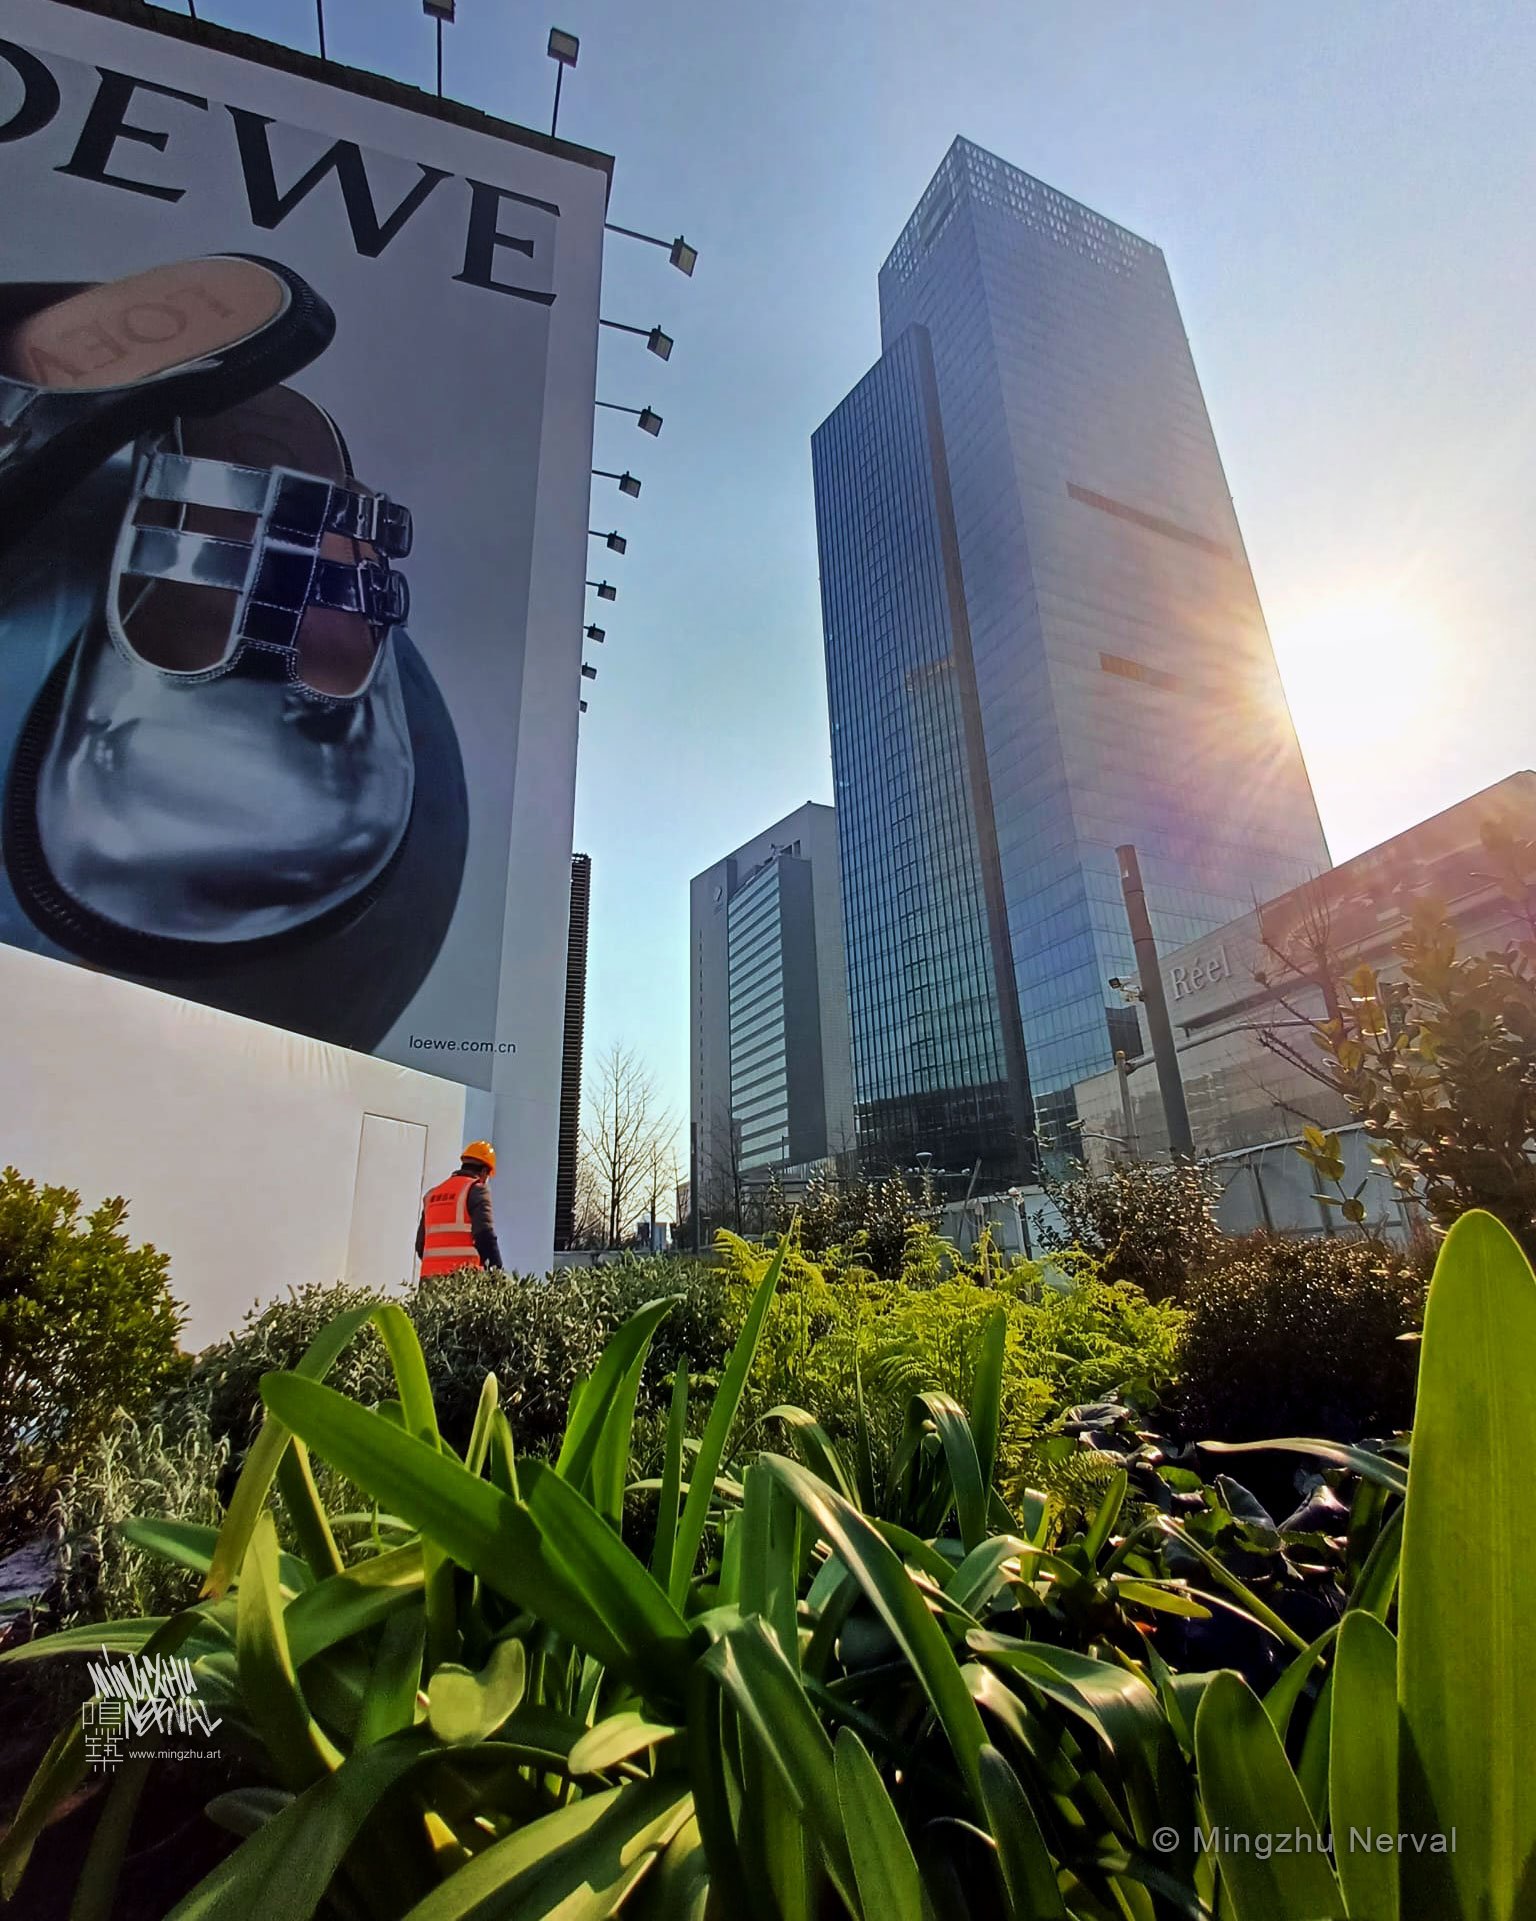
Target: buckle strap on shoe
369,587
281,573
296,505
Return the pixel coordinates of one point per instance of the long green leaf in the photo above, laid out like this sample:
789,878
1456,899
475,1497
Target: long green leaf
579,1863
1359,1460
348,1603
480,1431
706,1723
886,1582
617,1739
717,1430
1105,1516
296,1484
983,1571
289,1863
1377,1583
987,1391
190,1544
1466,1627
770,1558
96,1891
678,1889
1280,1702
394,1679
1252,1797
884,1865
269,1684
1362,1771
1124,1712
473,1522
965,1475
256,1477
419,1414
613,1583
603,1409
768,1696
669,1498
814,1446
1029,1880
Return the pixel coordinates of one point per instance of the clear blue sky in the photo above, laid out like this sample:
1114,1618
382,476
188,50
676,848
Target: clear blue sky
1343,192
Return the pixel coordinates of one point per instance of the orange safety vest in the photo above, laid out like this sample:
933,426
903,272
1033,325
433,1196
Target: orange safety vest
447,1242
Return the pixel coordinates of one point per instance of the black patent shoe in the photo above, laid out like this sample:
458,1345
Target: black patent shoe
86,369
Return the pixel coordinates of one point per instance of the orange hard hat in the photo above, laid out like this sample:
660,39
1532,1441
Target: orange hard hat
480,1151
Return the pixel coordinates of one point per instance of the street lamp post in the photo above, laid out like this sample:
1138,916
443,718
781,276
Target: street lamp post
1127,1117
1181,1141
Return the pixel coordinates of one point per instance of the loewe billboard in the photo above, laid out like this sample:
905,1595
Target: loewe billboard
295,429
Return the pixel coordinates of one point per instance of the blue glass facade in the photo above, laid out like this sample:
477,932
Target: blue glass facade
1125,683
937,1064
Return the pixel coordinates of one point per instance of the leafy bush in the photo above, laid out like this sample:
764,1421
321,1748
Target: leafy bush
135,1468
835,1343
1300,1337
1440,1067
87,1327
1154,1226
837,1708
538,1336
879,1226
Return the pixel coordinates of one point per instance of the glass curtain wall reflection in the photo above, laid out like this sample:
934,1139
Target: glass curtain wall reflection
1124,684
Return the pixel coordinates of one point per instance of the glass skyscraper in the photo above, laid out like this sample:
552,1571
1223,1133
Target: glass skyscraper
1043,641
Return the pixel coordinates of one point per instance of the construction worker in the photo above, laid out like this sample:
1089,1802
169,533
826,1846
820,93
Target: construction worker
456,1229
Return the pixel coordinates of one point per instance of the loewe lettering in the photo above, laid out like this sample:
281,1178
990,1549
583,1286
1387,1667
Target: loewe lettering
107,129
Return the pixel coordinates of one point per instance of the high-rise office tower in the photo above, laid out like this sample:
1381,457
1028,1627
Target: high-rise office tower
569,1150
771,1084
1043,641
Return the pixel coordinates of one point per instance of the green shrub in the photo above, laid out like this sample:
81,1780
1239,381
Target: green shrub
1300,1337
88,1327
1152,1225
869,1224
835,1340
135,1468
782,1700
538,1336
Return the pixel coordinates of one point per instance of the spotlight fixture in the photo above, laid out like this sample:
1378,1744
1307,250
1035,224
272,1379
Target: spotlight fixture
658,342
627,482
682,256
562,49
646,418
440,11
588,671
603,590
614,542
583,706
596,633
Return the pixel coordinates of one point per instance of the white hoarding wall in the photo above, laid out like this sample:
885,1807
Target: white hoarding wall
296,396
257,1160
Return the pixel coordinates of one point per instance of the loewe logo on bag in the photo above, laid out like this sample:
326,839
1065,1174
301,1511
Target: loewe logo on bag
103,153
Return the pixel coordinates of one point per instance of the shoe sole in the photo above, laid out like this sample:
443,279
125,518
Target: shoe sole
295,338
